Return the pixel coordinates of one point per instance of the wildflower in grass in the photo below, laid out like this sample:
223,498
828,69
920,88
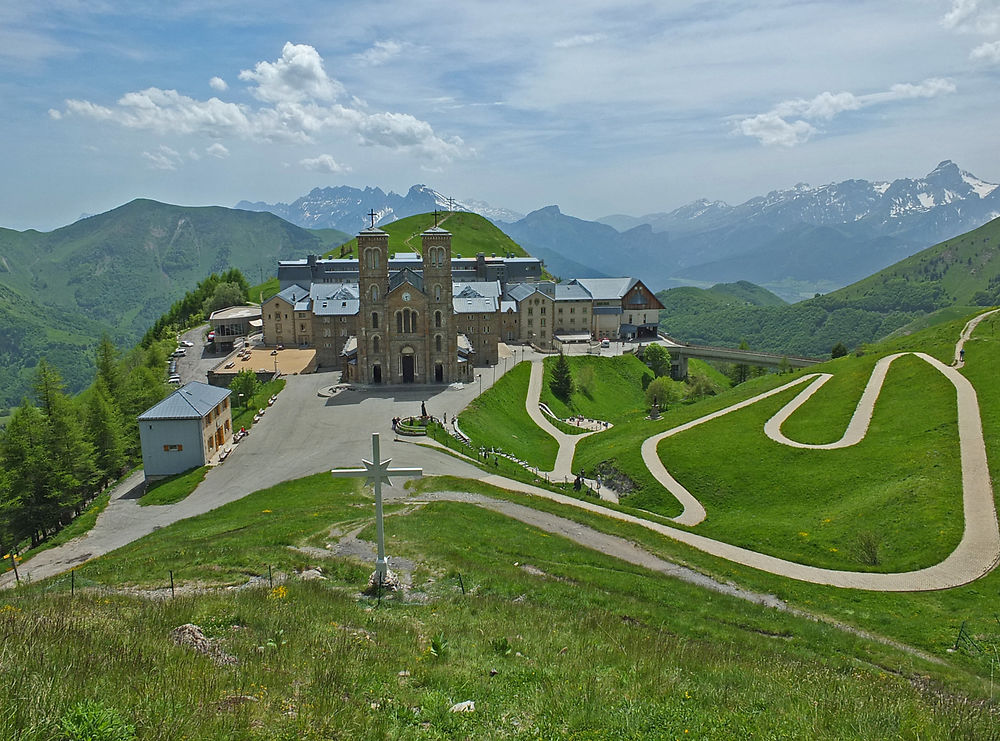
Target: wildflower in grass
278,592
9,610
266,511
803,534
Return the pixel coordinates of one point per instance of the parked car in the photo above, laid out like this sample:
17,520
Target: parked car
187,343
605,342
174,380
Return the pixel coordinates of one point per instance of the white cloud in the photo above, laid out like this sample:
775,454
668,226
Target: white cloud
324,163
973,16
164,158
381,52
583,39
217,150
55,114
770,129
775,127
988,52
297,76
296,92
217,83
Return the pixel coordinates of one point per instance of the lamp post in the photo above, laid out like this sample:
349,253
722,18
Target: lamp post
241,402
480,377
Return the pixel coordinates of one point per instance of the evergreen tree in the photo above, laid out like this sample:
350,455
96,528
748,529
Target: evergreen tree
29,503
839,350
70,464
106,432
561,384
740,372
109,366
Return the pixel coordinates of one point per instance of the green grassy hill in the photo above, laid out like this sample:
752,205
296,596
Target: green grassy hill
550,639
471,234
963,271
547,638
118,272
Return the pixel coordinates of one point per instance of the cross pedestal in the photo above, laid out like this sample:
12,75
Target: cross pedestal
375,472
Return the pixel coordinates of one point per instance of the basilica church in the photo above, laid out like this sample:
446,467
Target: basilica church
433,317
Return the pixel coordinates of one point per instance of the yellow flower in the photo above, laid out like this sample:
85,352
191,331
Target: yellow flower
266,511
803,534
279,592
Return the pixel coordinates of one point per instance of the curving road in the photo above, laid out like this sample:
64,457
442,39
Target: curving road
301,435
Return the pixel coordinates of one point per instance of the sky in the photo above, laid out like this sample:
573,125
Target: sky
599,107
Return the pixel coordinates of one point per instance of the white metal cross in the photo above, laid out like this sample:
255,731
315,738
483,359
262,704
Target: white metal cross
375,472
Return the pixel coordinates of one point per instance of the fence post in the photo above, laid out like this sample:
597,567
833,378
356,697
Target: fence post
72,582
171,584
270,578
461,583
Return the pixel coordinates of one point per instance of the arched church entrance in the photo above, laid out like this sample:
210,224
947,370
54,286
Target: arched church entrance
376,373
408,364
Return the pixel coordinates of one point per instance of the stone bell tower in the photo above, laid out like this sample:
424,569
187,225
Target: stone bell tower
373,287
442,346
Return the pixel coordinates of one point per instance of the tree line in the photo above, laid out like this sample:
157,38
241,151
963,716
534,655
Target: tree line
58,452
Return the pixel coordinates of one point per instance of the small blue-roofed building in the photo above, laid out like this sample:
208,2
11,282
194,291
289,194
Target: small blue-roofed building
186,430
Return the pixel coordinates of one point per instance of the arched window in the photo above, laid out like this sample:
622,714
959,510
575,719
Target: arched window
437,318
437,342
374,320
375,344
399,321
374,293
372,258
437,292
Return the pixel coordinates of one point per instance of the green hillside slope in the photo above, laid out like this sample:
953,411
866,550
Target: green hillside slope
118,272
471,234
962,271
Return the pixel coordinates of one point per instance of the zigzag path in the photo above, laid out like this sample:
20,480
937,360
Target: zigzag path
976,554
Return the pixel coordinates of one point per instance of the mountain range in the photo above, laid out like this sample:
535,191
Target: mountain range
348,209
118,272
795,242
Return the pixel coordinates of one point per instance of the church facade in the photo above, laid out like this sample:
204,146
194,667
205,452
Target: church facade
406,329
433,317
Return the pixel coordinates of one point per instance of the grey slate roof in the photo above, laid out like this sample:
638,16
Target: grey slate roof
480,287
406,276
571,292
191,401
606,289
292,294
474,304
330,299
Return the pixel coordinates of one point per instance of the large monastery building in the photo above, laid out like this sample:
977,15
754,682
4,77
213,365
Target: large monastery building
429,318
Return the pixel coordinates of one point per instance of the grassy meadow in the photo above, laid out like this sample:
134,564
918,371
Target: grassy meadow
549,639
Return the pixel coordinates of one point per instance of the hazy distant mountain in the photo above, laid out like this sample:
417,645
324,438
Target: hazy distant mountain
117,272
889,206
347,209
794,242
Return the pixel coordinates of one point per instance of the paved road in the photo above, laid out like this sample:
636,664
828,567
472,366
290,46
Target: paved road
304,434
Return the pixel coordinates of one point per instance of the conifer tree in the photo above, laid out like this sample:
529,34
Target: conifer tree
29,504
109,367
70,456
106,432
561,384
